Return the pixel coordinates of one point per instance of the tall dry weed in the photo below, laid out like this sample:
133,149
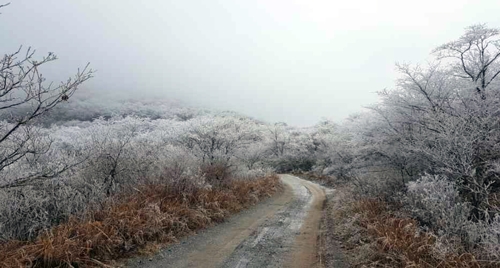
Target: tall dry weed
398,241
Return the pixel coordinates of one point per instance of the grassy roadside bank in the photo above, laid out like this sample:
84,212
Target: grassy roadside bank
135,223
372,233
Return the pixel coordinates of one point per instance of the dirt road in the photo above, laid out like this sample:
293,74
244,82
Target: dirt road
279,232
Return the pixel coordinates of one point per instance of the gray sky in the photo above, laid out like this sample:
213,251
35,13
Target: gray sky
295,61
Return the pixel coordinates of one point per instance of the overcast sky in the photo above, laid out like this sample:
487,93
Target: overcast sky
295,61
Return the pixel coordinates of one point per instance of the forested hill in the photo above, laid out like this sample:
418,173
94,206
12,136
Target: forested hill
85,107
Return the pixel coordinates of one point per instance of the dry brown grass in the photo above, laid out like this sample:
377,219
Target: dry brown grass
399,242
371,233
134,223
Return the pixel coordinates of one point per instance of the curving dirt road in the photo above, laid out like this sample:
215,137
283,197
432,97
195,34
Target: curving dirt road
279,232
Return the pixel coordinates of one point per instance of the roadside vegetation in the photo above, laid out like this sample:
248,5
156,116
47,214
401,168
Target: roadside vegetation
417,176
141,221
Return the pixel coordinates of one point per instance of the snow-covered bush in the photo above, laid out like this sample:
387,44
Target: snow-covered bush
25,211
484,238
436,203
384,185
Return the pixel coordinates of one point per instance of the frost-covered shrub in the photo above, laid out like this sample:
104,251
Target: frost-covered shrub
25,211
179,169
177,163
376,185
486,235
482,238
436,203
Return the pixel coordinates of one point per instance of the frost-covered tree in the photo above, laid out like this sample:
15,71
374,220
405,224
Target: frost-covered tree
22,86
444,118
334,148
253,155
216,139
279,139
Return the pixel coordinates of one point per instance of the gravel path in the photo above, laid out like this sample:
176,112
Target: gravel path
279,232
